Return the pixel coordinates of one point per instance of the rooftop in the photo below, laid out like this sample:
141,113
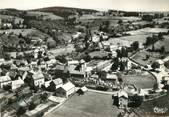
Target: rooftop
68,86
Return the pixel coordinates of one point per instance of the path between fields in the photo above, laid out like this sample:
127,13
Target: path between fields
103,92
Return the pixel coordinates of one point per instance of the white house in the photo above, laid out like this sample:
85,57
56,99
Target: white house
95,38
17,83
58,82
122,99
5,80
66,90
38,79
2,61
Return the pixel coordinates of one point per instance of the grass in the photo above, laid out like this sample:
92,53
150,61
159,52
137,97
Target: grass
164,43
98,54
141,56
128,40
62,50
146,31
26,32
44,15
88,105
148,107
143,80
17,19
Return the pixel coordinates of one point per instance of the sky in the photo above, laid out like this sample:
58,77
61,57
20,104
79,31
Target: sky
128,5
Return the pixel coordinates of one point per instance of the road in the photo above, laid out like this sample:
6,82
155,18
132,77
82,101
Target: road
157,76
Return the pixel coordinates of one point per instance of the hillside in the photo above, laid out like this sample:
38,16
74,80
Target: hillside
65,11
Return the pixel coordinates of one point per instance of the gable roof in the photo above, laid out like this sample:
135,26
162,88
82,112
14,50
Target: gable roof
122,94
68,86
5,79
37,76
58,81
84,88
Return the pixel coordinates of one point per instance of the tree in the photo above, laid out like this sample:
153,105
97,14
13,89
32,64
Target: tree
61,58
122,66
120,21
162,49
44,96
21,111
155,65
7,87
86,57
136,101
135,45
32,106
52,87
115,65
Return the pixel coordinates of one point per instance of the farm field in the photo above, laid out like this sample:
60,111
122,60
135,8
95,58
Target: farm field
62,51
145,31
128,40
84,17
44,15
138,35
141,56
143,81
26,32
88,105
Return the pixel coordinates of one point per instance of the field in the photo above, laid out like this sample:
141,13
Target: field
164,43
88,16
146,31
128,40
26,32
88,105
148,107
142,81
140,57
44,15
98,54
7,17
62,51
138,35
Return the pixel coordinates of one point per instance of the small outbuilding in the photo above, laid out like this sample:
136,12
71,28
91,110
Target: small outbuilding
82,90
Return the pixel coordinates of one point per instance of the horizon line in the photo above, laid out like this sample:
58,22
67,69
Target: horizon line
97,9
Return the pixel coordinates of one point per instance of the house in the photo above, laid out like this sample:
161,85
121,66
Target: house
95,38
7,25
77,35
73,62
113,48
111,77
38,78
17,84
51,62
13,54
122,99
161,63
5,80
2,61
58,82
66,90
82,90
41,108
76,68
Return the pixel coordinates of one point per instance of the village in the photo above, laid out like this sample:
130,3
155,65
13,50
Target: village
64,68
